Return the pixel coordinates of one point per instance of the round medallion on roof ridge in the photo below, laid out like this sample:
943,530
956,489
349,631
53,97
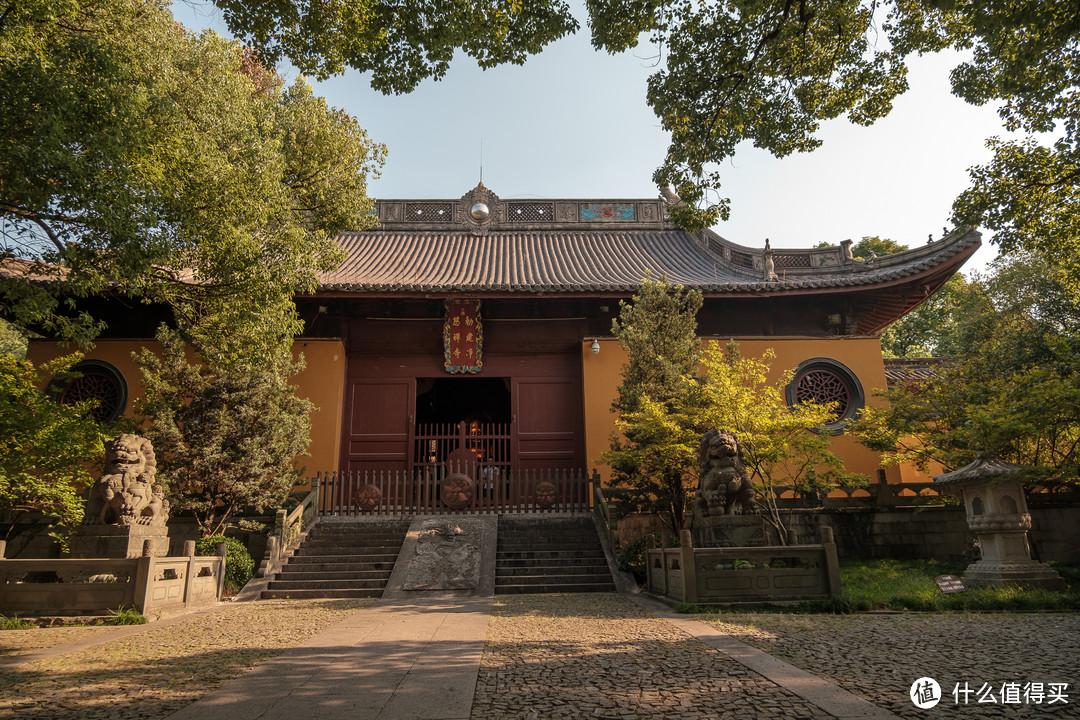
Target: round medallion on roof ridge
479,209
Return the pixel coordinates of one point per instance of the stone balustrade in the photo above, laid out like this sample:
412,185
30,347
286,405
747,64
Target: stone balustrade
745,574
94,586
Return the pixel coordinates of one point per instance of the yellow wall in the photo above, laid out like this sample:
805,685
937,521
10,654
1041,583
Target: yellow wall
862,355
322,381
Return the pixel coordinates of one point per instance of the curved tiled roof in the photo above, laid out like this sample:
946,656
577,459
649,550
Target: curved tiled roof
981,467
605,259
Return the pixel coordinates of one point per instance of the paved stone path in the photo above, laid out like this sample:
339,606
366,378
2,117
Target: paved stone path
879,656
600,656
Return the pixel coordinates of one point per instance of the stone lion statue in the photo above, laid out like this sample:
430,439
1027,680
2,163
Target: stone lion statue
725,487
128,492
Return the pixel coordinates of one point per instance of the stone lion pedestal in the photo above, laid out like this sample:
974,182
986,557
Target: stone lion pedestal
997,513
127,512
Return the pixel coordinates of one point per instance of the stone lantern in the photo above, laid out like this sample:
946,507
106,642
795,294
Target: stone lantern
997,513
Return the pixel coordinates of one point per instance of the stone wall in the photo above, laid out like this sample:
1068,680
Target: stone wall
931,532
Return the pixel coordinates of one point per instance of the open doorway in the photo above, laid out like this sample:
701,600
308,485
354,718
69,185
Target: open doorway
455,415
453,400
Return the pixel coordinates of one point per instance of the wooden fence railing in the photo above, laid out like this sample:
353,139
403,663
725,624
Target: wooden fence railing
440,490
489,443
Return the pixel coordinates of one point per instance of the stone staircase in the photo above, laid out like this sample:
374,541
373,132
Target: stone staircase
550,555
340,560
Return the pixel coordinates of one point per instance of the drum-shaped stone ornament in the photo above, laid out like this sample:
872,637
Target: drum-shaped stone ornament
368,497
457,491
546,494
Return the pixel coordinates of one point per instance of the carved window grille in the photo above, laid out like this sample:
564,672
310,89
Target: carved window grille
429,212
823,387
95,381
791,260
530,212
741,258
825,381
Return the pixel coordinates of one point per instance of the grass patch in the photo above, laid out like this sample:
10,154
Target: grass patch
122,616
14,623
909,585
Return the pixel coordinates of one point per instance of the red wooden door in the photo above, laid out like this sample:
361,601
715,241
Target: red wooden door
378,424
548,422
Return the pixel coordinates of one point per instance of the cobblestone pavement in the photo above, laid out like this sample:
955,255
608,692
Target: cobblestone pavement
879,656
573,656
603,656
153,673
20,642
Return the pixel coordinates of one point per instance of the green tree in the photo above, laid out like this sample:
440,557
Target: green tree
783,446
140,158
1011,387
758,71
654,450
226,438
12,341
870,246
771,72
45,449
873,246
929,329
400,43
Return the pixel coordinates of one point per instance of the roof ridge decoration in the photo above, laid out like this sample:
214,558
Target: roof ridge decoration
481,211
818,261
478,210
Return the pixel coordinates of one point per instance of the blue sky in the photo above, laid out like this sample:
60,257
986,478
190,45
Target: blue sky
573,122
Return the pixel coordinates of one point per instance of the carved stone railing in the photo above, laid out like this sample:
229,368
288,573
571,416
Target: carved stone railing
94,586
288,528
605,513
745,574
873,495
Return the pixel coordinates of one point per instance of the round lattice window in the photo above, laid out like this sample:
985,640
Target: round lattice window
825,381
822,387
95,380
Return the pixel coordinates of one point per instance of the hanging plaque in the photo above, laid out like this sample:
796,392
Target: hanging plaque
463,337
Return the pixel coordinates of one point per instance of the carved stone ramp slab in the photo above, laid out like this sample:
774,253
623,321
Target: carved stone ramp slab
397,660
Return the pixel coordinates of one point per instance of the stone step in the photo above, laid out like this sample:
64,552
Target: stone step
388,539
301,556
338,567
545,554
560,562
552,571
318,594
554,588
544,539
358,551
355,541
559,579
292,576
336,584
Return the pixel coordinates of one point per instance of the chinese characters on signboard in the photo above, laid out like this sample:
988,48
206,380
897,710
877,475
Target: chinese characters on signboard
463,337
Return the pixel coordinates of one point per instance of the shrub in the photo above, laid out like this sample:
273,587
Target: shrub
239,567
125,616
14,623
632,559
